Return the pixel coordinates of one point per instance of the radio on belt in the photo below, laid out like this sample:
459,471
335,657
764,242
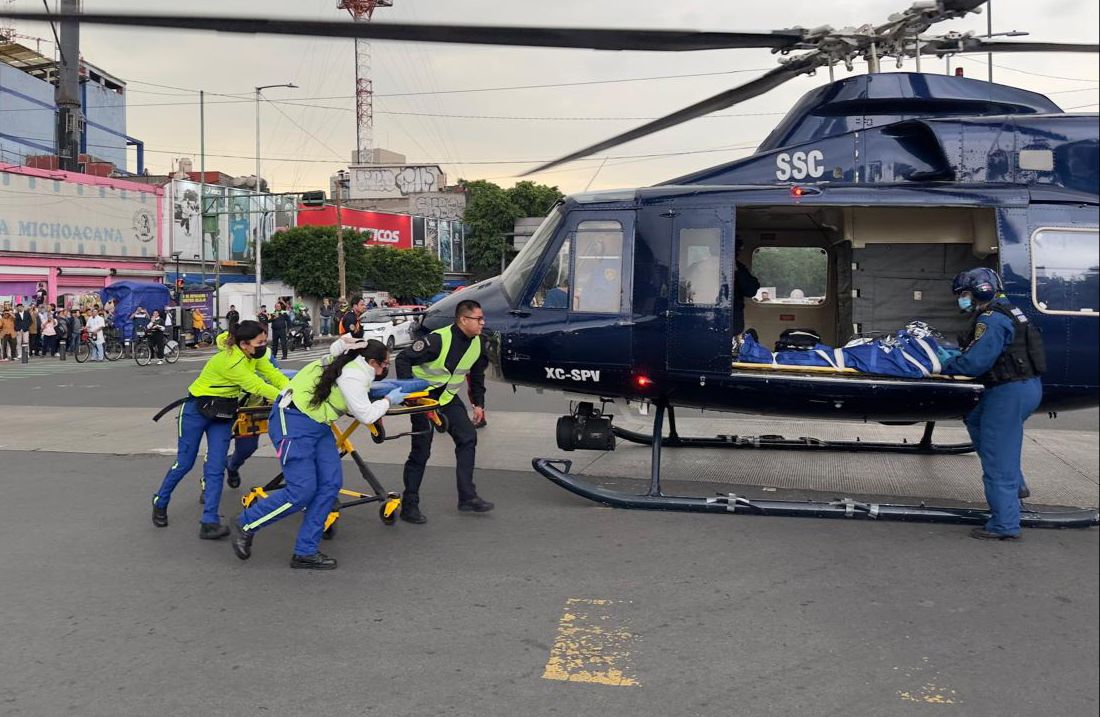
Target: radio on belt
586,429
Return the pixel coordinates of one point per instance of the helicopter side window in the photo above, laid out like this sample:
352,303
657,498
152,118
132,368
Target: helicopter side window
1066,271
797,275
597,267
515,277
700,266
553,290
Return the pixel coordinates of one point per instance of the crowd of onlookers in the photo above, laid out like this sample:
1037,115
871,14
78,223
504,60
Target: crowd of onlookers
47,330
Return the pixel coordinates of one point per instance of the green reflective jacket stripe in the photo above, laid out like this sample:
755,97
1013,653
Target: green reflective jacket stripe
436,373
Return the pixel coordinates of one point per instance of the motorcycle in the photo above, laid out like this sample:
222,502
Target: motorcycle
300,336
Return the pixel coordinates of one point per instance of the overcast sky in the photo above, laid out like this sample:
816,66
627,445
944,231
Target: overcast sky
319,131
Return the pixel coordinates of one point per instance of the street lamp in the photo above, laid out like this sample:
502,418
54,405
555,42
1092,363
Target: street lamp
259,239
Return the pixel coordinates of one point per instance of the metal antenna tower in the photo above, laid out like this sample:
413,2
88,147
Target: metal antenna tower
361,11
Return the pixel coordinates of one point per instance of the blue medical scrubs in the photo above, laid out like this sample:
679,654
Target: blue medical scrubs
996,425
311,466
245,446
191,426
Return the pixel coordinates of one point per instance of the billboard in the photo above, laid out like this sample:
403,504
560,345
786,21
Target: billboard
394,182
46,216
385,229
241,220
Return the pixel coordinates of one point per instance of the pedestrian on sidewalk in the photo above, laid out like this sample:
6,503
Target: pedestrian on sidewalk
327,312
7,335
49,335
24,322
154,332
76,326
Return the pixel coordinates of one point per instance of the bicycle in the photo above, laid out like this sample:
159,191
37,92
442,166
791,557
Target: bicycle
113,347
143,350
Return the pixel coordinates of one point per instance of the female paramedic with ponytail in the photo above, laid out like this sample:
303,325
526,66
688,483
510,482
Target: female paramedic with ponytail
301,430
1005,352
210,408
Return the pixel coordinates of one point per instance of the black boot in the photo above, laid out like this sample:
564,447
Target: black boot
232,478
213,531
410,513
317,561
242,541
983,534
160,514
475,505
1023,492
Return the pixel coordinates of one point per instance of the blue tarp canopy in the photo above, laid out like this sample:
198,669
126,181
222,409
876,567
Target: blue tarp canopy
128,295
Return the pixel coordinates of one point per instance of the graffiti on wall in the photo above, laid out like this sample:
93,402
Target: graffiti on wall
439,205
380,182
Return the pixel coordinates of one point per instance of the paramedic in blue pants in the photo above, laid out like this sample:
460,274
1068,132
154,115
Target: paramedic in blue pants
1004,351
235,369
301,430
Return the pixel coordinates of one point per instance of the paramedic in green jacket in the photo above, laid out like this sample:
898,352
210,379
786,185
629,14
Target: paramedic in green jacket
241,366
301,431
444,359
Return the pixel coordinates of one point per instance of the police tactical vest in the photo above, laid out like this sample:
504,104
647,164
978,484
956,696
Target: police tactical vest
436,373
1024,358
304,385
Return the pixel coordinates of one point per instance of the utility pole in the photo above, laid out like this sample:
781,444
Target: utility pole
259,238
989,34
202,208
341,267
70,119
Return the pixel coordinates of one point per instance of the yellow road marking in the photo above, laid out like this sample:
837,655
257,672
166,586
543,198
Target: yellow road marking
931,694
591,646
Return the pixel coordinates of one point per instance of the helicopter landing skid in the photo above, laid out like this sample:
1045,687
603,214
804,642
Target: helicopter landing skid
802,443
558,471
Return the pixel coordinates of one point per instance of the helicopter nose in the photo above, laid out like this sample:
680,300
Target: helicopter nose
489,294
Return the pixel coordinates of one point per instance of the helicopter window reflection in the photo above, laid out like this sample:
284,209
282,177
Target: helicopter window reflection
597,267
1066,271
553,290
791,274
515,277
700,266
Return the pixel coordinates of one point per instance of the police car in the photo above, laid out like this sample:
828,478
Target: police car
390,326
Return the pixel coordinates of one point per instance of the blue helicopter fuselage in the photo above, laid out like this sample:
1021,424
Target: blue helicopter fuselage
894,206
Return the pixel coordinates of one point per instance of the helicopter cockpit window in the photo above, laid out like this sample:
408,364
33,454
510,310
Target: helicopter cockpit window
700,266
598,266
791,275
1066,266
553,290
515,277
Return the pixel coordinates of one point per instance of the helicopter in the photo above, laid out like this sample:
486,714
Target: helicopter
880,186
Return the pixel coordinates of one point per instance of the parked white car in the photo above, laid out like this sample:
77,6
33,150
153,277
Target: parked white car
390,326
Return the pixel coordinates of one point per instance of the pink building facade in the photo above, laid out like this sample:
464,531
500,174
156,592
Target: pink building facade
76,233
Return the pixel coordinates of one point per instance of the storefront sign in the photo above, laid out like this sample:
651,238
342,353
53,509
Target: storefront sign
383,229
45,216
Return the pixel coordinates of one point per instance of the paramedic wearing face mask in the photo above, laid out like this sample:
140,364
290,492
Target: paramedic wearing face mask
240,366
301,431
1005,352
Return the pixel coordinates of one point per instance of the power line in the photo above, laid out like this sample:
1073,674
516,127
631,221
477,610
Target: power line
295,123
1025,72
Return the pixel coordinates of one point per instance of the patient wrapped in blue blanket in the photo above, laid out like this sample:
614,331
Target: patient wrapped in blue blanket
379,389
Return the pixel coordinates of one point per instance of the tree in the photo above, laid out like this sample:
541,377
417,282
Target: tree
405,273
491,213
305,258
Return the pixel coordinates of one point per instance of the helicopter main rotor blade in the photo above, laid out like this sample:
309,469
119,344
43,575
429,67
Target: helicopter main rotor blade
948,46
585,38
759,86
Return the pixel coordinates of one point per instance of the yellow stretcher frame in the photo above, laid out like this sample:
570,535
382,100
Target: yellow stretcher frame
253,421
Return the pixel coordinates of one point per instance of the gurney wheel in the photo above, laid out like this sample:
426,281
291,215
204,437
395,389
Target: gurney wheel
330,532
378,432
387,519
440,422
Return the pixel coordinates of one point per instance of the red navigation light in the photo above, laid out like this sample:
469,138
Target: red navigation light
642,381
797,192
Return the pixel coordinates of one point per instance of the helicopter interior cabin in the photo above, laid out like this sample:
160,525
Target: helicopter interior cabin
855,271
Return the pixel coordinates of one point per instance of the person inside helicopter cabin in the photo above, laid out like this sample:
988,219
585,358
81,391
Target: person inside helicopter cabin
745,286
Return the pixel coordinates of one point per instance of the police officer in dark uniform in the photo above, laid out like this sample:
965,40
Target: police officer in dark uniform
1005,352
445,358
280,328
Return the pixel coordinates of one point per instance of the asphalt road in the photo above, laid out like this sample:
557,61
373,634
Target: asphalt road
547,606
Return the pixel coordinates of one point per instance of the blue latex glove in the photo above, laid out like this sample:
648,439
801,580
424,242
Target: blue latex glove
945,355
396,396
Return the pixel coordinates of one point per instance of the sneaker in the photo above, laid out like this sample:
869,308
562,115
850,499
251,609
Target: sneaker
475,505
159,362
242,541
412,514
160,514
212,531
983,534
317,561
232,478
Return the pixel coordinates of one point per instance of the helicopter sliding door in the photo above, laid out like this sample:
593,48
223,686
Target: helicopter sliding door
699,329
576,327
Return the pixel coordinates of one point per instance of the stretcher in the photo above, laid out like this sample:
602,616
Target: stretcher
253,421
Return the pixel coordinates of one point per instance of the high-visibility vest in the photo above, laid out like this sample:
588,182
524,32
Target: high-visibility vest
304,386
436,373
